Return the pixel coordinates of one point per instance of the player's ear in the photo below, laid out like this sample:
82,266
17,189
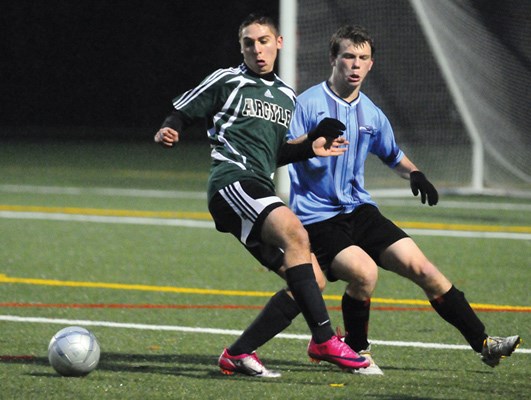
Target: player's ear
280,42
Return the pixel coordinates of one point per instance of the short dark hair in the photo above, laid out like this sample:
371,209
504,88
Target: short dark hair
261,19
355,33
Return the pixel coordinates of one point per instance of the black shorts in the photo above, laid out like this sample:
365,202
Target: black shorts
241,208
365,227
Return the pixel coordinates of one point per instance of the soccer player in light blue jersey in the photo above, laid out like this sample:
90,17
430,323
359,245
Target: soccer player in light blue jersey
348,234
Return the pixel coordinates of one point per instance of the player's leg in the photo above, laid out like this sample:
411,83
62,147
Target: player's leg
358,269
237,209
278,313
351,243
355,267
406,259
282,228
334,242
352,265
265,219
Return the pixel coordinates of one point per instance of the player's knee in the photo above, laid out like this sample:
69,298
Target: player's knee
298,238
361,290
361,285
367,280
427,274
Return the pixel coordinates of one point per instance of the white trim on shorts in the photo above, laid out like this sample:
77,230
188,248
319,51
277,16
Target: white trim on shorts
246,207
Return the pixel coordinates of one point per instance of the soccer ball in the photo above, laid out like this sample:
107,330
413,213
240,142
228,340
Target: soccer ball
74,351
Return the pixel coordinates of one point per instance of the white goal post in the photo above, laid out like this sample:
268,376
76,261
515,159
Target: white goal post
287,71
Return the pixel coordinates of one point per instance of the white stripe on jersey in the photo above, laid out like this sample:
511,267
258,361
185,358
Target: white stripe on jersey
216,155
288,92
191,94
233,117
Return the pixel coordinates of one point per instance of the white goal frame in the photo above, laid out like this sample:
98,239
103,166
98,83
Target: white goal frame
288,73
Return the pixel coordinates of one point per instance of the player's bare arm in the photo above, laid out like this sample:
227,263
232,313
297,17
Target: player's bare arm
405,167
418,181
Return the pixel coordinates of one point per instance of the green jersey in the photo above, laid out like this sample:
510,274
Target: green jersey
248,119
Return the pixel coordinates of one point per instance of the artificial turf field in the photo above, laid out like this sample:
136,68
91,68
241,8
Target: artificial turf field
116,237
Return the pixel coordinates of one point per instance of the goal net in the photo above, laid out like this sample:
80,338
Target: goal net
454,78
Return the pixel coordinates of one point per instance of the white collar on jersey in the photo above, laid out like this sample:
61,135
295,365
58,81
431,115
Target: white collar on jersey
338,99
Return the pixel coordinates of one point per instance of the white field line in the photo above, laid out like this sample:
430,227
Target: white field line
213,331
468,234
76,191
188,223
176,194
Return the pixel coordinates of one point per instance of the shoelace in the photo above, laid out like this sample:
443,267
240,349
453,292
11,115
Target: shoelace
341,337
344,348
492,343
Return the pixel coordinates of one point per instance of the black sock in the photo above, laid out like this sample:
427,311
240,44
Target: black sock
356,320
455,309
276,316
303,286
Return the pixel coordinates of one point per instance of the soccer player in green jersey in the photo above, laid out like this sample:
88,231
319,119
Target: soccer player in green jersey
248,110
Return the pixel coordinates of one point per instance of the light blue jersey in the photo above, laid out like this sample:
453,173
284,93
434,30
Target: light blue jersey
323,187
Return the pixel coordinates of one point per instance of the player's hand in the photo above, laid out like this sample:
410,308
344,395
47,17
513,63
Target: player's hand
328,128
167,137
326,147
419,183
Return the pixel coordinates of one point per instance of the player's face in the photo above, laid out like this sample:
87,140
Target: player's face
351,65
259,47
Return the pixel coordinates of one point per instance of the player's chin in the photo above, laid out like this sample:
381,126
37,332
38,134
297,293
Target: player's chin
262,69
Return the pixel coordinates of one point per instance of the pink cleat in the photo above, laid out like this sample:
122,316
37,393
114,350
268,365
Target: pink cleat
336,352
248,364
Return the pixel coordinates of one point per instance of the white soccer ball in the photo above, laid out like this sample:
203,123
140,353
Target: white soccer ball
74,351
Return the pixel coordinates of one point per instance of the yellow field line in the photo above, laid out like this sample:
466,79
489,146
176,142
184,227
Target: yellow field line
152,288
106,212
206,216
463,227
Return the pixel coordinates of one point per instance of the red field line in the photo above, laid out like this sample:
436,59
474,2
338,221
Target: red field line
16,358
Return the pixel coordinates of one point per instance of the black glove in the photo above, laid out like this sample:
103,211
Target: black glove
418,182
328,128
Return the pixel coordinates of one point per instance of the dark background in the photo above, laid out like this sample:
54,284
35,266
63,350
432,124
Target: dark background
74,67
109,64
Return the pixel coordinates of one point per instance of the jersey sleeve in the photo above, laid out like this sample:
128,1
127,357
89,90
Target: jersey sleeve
201,101
385,147
299,122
